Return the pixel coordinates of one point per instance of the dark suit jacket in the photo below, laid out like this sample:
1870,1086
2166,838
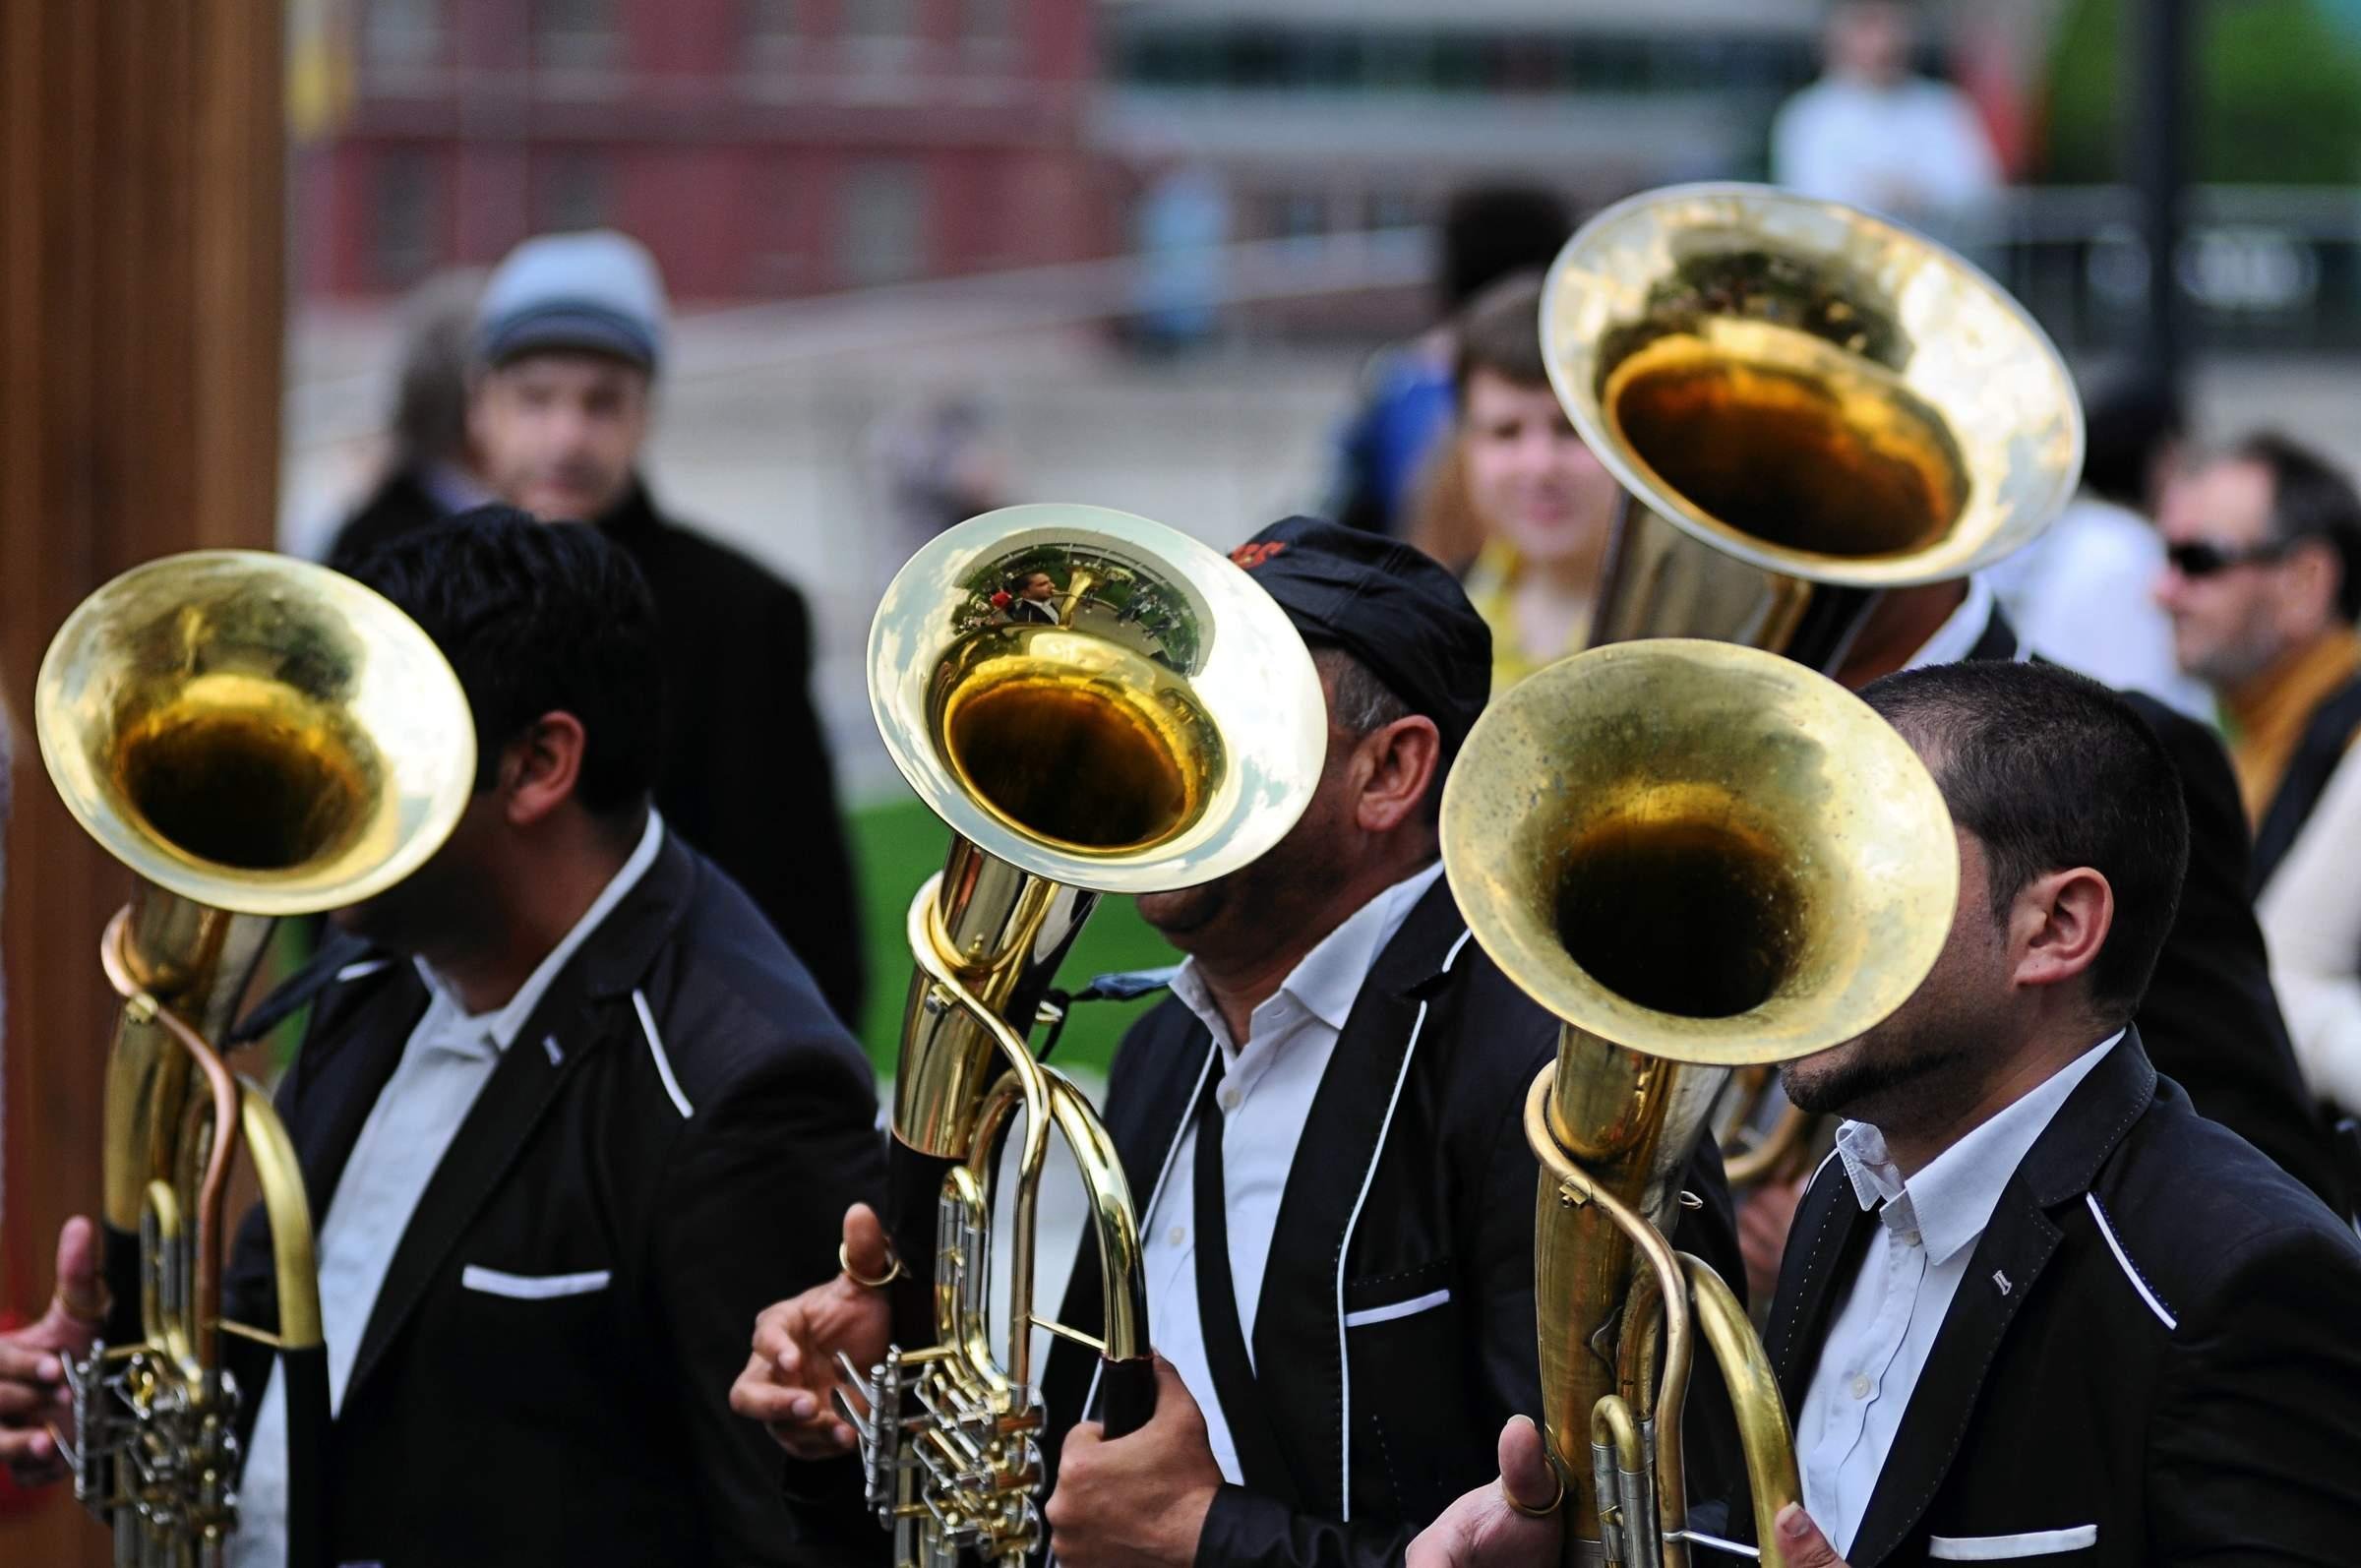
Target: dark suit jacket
2211,1019
746,775
594,1427
2154,1339
1412,1184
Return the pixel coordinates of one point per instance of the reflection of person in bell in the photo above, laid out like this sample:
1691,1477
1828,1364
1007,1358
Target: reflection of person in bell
1032,602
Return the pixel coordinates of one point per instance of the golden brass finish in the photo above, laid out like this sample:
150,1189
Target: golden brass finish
254,736
1155,723
1698,856
1796,397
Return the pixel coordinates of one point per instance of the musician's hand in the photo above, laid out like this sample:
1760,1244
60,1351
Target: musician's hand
790,1382
1140,1499
1805,1546
1481,1530
32,1391
1765,1216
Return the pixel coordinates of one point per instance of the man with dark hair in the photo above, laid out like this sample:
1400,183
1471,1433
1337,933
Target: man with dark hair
2262,580
2034,1304
1323,1127
1537,501
569,337
567,1111
2211,1020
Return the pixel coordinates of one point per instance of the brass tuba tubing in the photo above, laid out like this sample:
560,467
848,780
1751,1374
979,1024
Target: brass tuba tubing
1698,856
1158,726
254,736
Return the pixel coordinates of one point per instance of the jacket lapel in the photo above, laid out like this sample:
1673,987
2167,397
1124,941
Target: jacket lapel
2002,1275
1298,1345
523,1088
1811,1274
339,1075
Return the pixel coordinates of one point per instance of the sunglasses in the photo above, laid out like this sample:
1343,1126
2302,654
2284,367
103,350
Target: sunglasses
2198,559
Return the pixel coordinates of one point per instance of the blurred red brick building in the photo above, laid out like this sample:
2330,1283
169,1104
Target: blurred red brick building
760,147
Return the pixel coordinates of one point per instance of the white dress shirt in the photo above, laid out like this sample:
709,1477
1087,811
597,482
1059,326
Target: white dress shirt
1265,1097
1880,1337
445,1063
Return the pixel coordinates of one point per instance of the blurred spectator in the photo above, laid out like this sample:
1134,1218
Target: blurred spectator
1544,502
1872,133
431,476
938,465
570,339
2084,592
1408,402
1184,221
2264,583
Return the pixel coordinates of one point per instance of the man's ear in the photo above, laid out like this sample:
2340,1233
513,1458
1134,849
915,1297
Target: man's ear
2058,923
543,767
1403,758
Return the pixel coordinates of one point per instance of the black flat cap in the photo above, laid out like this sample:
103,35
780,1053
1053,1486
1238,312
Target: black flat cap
1390,606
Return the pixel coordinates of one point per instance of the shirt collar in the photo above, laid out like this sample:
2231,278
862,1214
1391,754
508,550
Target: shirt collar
1958,635
1327,981
1950,1201
500,1028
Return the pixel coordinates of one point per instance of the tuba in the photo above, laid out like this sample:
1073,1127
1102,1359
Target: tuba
1805,405
1698,857
254,736
1154,724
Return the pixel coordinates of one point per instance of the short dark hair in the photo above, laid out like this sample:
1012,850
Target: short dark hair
1492,230
1501,332
2050,769
1362,704
539,618
2311,499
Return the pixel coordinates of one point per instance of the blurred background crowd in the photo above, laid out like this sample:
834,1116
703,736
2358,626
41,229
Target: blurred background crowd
1216,260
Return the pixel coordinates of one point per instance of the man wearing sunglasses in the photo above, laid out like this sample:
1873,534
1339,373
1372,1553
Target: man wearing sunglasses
2263,582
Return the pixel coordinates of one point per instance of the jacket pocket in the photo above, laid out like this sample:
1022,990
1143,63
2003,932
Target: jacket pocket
1412,1442
533,1287
2011,1548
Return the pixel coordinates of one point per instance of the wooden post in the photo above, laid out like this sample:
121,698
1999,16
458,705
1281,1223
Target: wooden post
142,147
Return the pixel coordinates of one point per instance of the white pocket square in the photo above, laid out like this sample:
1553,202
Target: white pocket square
2002,1549
534,1287
1394,1309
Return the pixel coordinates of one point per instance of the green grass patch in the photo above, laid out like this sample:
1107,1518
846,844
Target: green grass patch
897,845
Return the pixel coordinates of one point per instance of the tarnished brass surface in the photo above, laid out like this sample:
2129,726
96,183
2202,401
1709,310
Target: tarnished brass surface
1165,731
1808,388
253,737
1764,1433
1146,720
1797,396
1697,856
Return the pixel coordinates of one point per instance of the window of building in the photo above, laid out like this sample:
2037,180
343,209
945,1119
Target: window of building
882,235
401,34
575,193
577,35
405,219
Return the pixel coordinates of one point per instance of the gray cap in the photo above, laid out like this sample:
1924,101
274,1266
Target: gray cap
597,291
